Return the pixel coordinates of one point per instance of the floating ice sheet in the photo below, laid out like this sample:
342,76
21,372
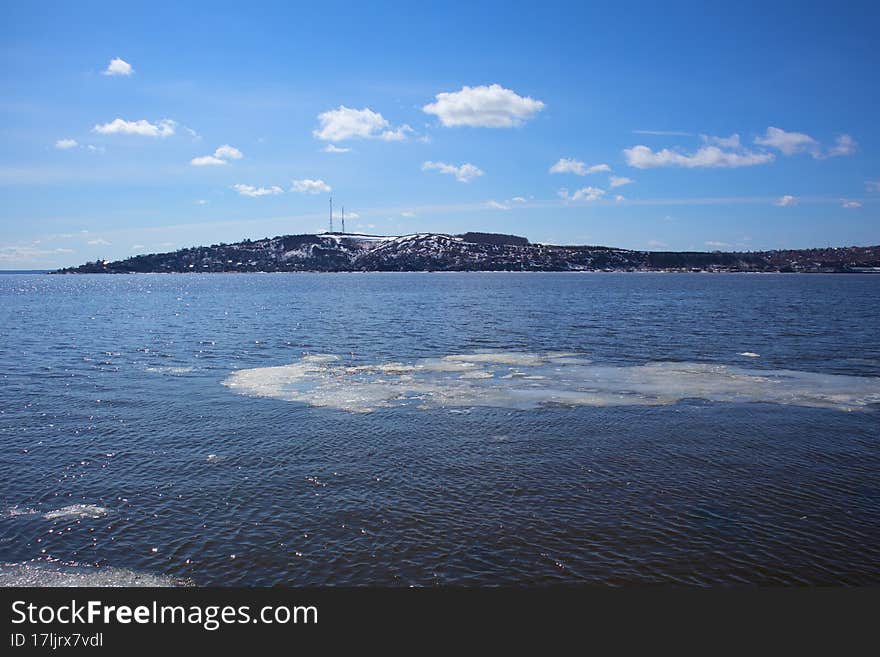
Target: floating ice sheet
531,380
42,574
17,510
75,511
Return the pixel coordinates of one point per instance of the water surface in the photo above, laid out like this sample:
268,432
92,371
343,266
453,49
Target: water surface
440,429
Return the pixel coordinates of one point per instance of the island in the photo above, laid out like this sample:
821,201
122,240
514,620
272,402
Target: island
473,251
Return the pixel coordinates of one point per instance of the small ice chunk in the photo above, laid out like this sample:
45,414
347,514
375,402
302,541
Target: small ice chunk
74,511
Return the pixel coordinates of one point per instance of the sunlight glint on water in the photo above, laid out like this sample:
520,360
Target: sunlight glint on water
523,429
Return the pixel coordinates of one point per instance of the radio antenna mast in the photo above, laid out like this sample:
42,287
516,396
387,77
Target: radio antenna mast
343,219
331,214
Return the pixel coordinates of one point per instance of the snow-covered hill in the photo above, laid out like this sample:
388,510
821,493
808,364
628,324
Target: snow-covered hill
468,252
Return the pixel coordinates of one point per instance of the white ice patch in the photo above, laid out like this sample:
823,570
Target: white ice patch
503,358
57,575
171,371
75,511
522,380
477,374
16,510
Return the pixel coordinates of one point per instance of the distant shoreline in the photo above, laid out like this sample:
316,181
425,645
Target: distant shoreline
432,271
472,251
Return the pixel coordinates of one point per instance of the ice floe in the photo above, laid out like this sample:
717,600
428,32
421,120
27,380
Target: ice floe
75,511
15,510
61,575
532,380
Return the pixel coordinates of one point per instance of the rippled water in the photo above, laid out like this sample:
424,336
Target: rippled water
439,429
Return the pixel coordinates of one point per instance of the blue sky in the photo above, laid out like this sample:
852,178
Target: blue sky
134,128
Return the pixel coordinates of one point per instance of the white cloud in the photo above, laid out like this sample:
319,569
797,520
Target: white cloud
724,142
330,148
571,165
27,253
728,152
228,152
98,242
207,160
716,244
791,143
788,143
309,186
397,134
656,244
163,128
518,199
250,190
588,194
851,205
96,149
583,194
495,205
843,145
785,201
221,156
619,181
872,185
642,157
408,215
347,123
118,66
663,133
64,144
463,173
201,201
350,216
490,106
620,198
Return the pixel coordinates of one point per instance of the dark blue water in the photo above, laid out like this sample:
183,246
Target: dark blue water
112,398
